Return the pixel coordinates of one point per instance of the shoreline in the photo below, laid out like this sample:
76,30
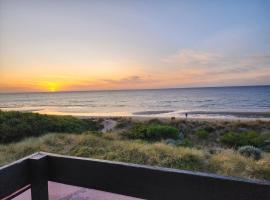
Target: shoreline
246,114
163,114
166,118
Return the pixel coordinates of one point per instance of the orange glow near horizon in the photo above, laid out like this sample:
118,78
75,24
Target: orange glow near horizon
18,82
180,71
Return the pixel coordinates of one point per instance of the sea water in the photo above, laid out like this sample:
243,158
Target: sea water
200,102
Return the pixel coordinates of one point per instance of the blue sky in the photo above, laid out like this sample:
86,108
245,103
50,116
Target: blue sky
121,44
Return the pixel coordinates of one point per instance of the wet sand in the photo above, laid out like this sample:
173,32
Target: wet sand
234,114
152,112
194,116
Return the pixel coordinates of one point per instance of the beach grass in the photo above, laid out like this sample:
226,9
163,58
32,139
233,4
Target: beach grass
111,146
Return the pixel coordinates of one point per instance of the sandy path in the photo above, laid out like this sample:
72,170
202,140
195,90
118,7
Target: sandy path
109,125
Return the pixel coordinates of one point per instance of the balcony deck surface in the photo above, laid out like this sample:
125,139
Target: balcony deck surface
59,191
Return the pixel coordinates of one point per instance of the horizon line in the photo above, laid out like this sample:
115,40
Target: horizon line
135,89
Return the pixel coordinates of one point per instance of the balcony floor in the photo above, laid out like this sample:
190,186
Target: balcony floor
59,191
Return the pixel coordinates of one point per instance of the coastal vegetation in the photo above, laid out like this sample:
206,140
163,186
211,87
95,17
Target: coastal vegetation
202,134
250,151
15,126
233,148
234,139
111,146
152,132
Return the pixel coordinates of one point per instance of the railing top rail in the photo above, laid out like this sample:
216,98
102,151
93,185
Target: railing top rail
20,160
165,169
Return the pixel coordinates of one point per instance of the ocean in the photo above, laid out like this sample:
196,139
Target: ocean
215,102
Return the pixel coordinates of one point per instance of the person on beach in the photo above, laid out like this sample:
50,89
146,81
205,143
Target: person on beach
186,114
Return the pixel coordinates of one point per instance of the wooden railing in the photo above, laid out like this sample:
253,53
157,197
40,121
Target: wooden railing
127,179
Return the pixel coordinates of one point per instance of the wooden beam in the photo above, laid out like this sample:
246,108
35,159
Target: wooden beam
13,177
126,179
150,182
38,174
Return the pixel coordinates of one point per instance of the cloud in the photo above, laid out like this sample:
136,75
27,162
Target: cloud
191,59
127,80
209,67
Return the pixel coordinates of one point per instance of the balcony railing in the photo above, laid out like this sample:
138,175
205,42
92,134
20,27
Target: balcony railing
121,178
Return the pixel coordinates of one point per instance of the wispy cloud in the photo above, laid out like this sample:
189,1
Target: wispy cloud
187,58
127,80
208,67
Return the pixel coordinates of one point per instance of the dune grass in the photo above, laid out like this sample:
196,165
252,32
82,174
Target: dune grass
112,146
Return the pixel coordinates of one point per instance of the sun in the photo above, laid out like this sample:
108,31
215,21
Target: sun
52,89
53,86
50,86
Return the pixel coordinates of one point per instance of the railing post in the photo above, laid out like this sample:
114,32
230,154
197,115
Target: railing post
38,174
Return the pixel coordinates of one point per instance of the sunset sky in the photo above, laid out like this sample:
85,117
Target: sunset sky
62,45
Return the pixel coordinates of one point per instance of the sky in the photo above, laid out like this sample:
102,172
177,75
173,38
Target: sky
67,45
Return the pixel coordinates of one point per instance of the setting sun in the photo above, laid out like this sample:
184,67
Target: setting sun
51,86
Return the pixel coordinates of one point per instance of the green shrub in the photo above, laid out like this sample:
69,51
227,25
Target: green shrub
209,128
233,139
202,134
161,132
17,125
262,139
122,124
250,151
153,132
186,143
138,131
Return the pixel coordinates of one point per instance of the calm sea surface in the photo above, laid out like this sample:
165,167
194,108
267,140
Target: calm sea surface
202,102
